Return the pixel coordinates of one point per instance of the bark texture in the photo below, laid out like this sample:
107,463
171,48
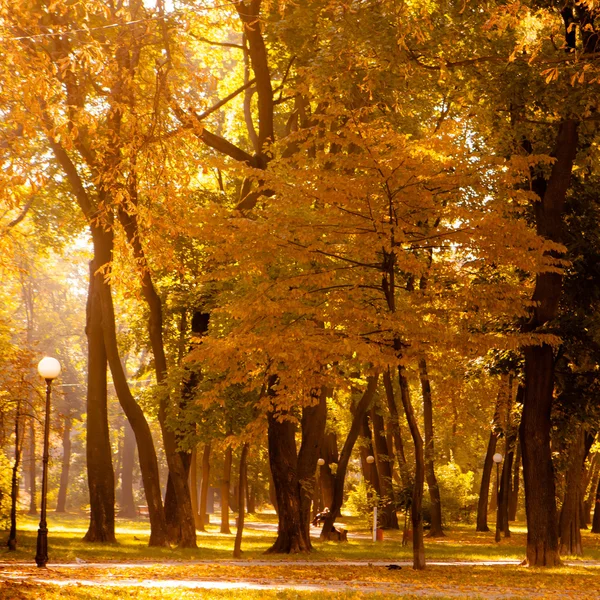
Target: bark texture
484,488
419,480
570,514
432,484
538,471
225,486
101,477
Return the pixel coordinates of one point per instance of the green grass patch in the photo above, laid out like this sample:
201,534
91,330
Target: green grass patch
461,543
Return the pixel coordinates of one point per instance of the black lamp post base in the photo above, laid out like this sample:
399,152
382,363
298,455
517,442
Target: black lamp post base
41,557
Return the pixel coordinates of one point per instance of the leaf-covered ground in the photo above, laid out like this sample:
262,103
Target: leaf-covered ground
296,581
357,569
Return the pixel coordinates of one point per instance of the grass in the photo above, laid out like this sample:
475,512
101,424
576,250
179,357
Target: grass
461,543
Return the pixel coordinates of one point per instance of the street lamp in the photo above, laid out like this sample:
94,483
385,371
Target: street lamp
497,458
371,460
49,369
321,462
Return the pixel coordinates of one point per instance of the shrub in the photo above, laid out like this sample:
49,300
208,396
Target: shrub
456,492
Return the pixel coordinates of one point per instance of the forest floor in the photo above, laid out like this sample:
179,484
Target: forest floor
464,564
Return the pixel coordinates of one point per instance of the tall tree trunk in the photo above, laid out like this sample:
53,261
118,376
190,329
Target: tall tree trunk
205,485
294,474
32,492
61,503
360,410
178,462
225,485
419,480
103,245
127,501
243,476
194,486
538,472
484,489
101,480
283,460
569,531
513,500
369,471
504,490
14,488
389,519
434,490
510,439
593,485
313,422
396,431
596,519
329,454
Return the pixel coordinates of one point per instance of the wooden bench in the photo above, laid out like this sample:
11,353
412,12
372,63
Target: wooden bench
143,511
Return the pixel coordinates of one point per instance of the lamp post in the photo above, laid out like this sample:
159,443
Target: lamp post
371,460
497,458
319,503
49,369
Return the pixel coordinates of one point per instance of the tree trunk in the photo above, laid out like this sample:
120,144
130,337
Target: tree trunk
360,410
388,519
591,495
505,489
313,423
14,488
538,472
291,537
127,502
101,479
510,439
484,489
513,500
205,485
419,480
272,494
225,485
329,454
103,244
596,519
243,476
569,531
434,490
178,462
32,492
193,483
61,503
369,471
396,431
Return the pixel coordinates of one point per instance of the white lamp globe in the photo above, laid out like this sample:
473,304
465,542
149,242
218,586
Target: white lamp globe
321,462
49,368
497,458
370,459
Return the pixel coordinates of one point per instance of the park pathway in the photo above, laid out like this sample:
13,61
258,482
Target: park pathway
180,575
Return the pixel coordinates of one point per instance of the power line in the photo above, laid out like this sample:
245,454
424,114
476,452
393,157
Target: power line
111,26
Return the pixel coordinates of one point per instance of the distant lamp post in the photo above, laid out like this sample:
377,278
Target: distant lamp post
49,369
497,458
371,460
